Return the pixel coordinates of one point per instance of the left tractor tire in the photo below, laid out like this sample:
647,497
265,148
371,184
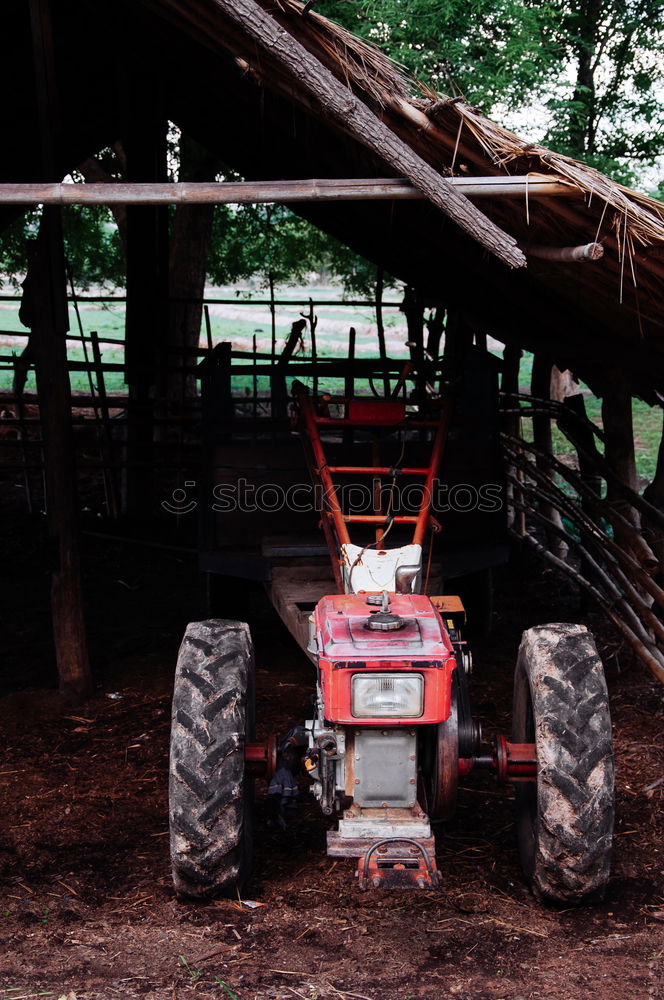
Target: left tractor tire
210,795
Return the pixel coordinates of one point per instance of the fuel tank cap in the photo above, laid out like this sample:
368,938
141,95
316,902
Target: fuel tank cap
384,622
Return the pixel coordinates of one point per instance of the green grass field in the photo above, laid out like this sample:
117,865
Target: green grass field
242,321
647,424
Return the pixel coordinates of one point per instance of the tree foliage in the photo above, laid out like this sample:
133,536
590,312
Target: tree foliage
609,110
595,66
92,246
268,243
489,51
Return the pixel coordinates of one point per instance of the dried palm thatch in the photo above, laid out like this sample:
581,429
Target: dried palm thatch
509,154
438,121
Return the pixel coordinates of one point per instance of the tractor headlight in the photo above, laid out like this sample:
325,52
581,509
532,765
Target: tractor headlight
381,696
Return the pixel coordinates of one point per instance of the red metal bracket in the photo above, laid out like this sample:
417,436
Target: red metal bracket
509,761
398,863
261,758
515,761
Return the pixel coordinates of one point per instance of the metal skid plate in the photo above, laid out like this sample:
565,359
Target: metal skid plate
385,767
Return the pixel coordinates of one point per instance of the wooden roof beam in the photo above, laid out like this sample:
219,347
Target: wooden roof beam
256,36
257,192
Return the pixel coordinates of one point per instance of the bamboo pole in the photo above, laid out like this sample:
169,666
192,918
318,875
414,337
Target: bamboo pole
651,658
251,33
268,192
645,554
587,252
598,541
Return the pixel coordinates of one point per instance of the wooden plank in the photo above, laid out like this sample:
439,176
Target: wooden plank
294,592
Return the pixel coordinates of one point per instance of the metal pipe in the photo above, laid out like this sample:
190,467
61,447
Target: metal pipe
308,417
436,457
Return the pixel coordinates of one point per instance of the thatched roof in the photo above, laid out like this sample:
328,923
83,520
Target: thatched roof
197,64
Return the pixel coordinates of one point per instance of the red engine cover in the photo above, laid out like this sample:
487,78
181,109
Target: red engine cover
347,646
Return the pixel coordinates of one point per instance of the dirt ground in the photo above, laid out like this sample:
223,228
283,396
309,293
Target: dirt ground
87,909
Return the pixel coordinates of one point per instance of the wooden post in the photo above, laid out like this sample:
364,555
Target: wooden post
46,298
380,328
273,319
108,451
540,388
619,443
413,309
509,384
147,290
349,382
584,437
435,325
188,256
44,310
654,494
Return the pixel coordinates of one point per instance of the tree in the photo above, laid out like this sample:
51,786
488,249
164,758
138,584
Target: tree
492,52
596,65
609,112
92,246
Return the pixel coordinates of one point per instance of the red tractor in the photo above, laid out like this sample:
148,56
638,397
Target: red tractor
393,730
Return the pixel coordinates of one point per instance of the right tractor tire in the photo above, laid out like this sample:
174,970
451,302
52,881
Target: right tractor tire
210,795
565,817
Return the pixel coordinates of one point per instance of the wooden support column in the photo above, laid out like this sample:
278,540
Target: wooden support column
188,258
44,310
45,298
413,309
147,289
435,326
540,387
654,494
509,383
380,328
619,446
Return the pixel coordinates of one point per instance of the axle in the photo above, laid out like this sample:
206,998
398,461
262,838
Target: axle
508,761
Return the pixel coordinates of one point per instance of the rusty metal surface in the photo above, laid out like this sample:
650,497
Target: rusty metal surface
448,604
399,863
261,758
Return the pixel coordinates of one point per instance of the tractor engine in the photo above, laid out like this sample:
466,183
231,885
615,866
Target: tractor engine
386,664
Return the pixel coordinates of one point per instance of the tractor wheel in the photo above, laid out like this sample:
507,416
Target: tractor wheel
440,764
565,817
210,797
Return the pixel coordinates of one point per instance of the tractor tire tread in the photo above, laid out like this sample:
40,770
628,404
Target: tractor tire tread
206,781
572,731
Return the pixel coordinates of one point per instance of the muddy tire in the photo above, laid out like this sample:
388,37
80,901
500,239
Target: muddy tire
565,818
210,796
